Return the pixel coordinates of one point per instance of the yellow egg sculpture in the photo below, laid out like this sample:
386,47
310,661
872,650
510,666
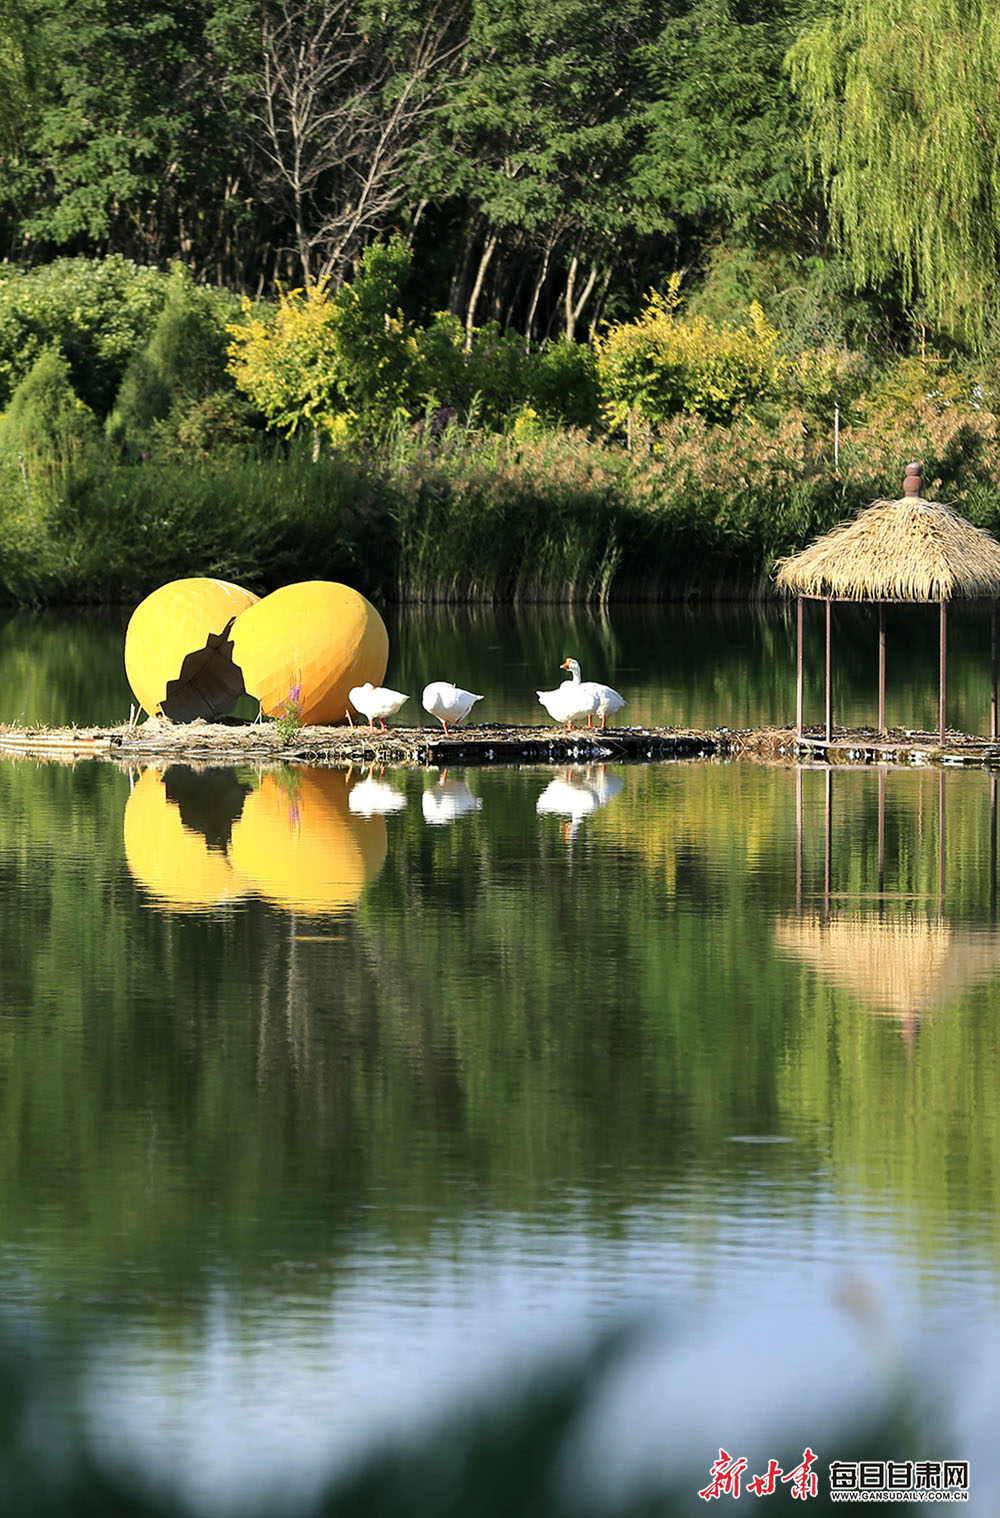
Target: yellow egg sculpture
172,861
177,649
318,637
300,845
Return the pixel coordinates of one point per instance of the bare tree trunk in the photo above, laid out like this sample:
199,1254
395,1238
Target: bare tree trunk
415,220
571,272
595,320
536,296
456,290
489,249
574,309
335,148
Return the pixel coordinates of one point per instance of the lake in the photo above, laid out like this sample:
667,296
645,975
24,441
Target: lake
336,1105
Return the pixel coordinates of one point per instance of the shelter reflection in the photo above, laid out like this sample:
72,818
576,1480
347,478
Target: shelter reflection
897,953
196,839
903,965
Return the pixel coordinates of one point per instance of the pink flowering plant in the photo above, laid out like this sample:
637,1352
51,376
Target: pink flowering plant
288,719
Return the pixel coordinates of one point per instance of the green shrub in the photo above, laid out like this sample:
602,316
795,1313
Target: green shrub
331,365
99,311
46,427
662,365
486,381
182,364
563,384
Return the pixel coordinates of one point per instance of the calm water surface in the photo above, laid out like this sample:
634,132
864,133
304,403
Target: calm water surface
331,1099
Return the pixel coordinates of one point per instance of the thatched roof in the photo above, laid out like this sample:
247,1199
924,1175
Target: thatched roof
893,964
905,550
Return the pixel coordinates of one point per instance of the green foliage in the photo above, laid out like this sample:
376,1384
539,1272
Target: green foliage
46,426
817,379
563,384
486,377
332,363
905,125
372,341
661,365
181,366
723,138
99,312
913,384
288,719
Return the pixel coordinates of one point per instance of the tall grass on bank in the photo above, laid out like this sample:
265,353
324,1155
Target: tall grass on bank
699,510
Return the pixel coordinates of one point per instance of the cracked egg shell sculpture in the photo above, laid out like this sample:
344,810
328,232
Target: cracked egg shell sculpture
176,651
194,646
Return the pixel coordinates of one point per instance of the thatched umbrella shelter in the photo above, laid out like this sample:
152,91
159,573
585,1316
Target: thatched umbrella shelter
910,550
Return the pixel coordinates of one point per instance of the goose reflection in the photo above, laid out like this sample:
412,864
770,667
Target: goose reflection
375,798
199,839
604,786
574,797
448,800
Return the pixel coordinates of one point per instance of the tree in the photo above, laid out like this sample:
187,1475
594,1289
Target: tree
330,362
905,125
117,133
339,104
722,144
536,139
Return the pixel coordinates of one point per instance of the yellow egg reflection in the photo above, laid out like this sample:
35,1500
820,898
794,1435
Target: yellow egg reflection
176,863
300,845
176,658
319,636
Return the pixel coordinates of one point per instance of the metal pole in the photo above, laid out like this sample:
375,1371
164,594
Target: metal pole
798,672
829,671
798,839
943,672
881,668
993,672
941,836
829,831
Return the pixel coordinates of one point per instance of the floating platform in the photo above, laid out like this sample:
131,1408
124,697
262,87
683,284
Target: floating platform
235,742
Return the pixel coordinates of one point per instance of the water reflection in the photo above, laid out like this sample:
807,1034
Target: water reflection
375,798
447,800
289,1170
197,839
574,796
178,826
905,966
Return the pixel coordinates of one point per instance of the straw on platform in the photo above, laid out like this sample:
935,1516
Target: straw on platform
905,550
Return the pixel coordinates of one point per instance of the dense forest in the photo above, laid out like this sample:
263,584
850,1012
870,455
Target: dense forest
546,163
238,234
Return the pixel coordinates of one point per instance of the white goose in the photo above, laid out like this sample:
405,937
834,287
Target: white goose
376,701
572,700
447,702
608,701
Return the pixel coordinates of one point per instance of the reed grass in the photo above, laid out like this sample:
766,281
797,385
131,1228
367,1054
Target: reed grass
696,510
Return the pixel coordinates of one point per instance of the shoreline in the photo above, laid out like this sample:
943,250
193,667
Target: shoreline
162,742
